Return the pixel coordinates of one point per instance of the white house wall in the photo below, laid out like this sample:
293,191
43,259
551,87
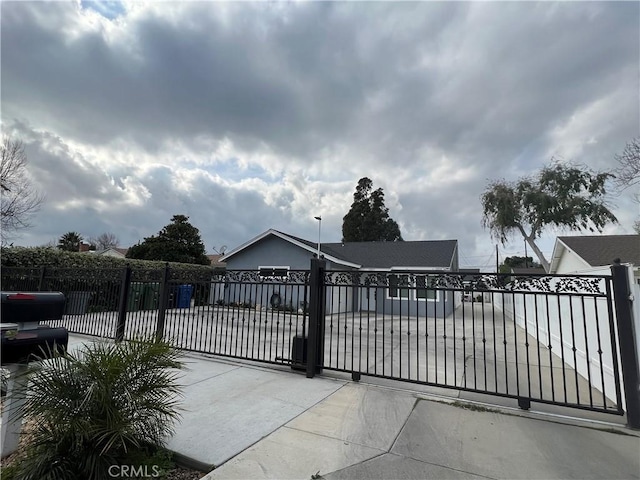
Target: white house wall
216,293
339,299
570,262
550,316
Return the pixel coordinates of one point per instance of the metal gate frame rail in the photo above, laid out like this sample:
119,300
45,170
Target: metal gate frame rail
620,326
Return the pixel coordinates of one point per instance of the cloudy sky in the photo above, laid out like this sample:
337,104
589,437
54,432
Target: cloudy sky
250,116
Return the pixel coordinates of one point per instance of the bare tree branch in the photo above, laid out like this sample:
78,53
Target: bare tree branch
105,241
628,170
20,200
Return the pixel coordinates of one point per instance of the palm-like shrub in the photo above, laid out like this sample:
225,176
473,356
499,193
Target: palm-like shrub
108,404
70,242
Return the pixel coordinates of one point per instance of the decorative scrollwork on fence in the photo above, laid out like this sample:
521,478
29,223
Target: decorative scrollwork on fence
444,280
343,278
481,282
250,276
559,284
299,276
188,276
375,279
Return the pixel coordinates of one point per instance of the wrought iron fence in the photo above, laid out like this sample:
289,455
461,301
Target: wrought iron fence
236,313
544,338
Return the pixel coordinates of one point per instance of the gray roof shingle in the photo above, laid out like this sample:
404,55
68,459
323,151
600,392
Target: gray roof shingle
426,253
600,250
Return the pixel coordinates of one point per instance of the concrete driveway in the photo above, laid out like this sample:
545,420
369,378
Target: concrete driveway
469,349
254,422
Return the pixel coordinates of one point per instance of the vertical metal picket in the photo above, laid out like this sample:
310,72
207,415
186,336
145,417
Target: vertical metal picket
125,284
162,302
43,272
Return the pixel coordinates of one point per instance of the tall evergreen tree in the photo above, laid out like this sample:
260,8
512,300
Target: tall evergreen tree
177,242
368,219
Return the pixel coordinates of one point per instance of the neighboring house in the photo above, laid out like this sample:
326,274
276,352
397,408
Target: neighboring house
590,254
114,252
216,261
527,270
401,264
582,255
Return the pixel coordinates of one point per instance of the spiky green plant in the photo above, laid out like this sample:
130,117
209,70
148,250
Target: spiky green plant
104,405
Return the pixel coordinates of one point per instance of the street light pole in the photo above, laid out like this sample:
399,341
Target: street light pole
319,227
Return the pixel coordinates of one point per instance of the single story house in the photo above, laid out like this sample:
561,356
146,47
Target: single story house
108,252
527,270
595,254
114,252
215,261
390,277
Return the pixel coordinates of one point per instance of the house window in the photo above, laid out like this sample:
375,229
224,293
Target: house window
422,292
399,286
412,287
273,271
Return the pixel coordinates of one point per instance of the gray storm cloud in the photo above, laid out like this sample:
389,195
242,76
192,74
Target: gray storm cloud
132,120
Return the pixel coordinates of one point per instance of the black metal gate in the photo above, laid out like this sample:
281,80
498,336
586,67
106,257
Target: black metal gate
543,338
253,315
565,340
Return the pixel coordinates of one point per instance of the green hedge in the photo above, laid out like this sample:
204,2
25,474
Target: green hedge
30,257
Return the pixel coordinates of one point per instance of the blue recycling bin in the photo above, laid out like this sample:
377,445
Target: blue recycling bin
184,296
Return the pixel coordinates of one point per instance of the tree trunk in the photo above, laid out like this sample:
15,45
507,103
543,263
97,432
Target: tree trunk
529,239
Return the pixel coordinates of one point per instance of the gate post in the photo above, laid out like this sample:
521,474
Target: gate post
43,272
627,341
125,284
315,342
162,302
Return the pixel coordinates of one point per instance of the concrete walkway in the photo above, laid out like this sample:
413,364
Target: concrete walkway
260,423
255,422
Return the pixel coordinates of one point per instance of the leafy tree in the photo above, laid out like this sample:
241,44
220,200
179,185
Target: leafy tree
19,200
518,262
177,242
368,219
559,195
70,242
105,241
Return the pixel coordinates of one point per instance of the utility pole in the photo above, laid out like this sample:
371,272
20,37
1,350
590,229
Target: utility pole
497,260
